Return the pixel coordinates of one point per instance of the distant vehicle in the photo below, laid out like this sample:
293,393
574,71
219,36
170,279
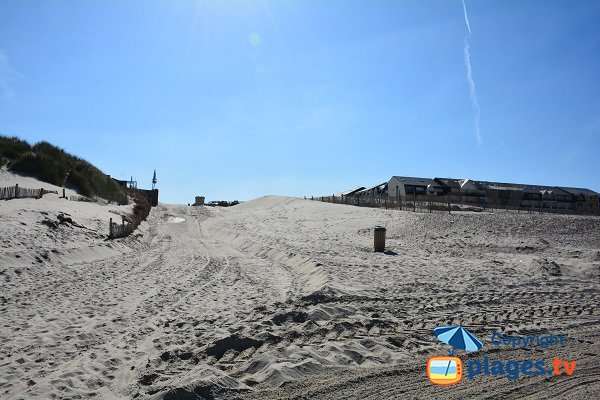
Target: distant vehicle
222,203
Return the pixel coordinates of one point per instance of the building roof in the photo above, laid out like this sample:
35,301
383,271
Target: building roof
379,187
500,185
469,183
577,191
527,188
450,182
552,190
482,185
351,192
412,180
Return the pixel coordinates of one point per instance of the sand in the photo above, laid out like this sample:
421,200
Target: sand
283,298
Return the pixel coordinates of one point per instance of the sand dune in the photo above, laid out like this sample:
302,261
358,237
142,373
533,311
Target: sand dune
284,298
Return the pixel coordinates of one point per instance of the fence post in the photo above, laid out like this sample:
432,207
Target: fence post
415,201
64,196
110,228
41,192
449,206
16,190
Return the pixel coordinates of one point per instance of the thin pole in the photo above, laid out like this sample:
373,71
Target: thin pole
415,201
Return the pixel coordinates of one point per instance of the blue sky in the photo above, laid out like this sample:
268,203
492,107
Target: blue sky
238,99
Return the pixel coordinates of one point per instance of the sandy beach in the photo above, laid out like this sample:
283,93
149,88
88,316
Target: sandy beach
284,298
299,200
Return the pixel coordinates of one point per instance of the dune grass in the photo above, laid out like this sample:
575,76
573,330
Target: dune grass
52,164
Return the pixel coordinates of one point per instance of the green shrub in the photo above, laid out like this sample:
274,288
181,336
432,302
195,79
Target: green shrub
13,147
41,167
52,164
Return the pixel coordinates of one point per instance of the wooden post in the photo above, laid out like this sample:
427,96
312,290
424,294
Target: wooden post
17,190
379,239
449,206
110,228
41,192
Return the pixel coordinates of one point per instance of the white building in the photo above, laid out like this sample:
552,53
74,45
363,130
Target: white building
409,185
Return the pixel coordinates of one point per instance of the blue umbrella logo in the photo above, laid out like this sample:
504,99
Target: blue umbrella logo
457,337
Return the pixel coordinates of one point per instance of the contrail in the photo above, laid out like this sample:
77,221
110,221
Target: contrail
472,91
466,17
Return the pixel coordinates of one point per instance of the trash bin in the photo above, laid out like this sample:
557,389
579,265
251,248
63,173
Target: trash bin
379,239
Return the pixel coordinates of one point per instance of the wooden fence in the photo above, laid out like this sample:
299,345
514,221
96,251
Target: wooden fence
141,210
16,192
80,198
128,224
409,203
447,203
